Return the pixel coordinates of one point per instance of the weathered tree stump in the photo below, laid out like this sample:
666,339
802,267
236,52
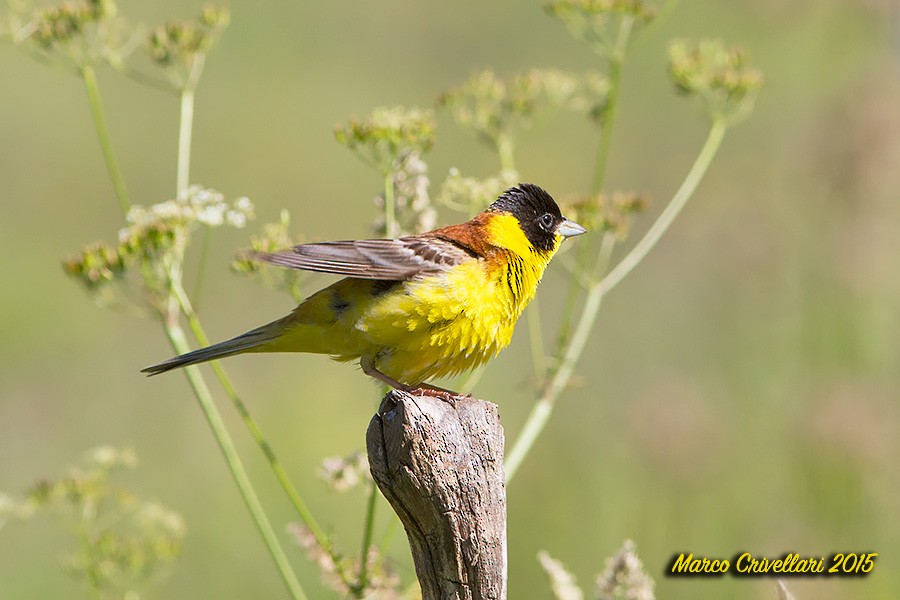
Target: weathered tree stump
441,468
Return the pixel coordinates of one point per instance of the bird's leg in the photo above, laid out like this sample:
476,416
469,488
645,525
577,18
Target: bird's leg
367,364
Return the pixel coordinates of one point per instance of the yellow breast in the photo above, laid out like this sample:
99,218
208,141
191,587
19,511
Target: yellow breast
455,321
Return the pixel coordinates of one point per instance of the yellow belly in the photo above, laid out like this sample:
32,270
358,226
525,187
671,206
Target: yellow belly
416,330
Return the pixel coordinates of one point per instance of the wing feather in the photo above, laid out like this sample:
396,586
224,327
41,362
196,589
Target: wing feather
396,260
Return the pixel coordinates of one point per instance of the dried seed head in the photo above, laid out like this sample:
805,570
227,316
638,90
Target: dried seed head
61,24
624,577
607,213
718,74
497,109
180,48
597,22
387,135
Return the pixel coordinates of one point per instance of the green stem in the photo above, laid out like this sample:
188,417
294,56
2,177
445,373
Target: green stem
185,129
226,445
390,214
112,165
183,174
543,408
616,61
256,433
662,223
368,530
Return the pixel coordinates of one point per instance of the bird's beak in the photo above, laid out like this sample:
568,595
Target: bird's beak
569,228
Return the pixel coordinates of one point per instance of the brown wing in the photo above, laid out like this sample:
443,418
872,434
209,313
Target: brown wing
395,260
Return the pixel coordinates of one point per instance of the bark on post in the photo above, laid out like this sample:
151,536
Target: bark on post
441,468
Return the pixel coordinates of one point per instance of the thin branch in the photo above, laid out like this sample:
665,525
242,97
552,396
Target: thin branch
112,165
185,127
367,541
616,61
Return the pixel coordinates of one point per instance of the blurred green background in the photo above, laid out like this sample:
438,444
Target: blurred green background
740,392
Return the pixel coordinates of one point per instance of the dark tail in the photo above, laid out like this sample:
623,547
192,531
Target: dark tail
242,343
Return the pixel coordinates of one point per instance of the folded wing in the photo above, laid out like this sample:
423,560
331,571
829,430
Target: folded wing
395,260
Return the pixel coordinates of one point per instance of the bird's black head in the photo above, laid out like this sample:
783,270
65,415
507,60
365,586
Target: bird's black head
537,213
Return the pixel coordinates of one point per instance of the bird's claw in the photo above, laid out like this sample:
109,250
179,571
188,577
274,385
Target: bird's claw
441,394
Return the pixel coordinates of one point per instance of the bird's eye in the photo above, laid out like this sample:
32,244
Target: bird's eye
547,221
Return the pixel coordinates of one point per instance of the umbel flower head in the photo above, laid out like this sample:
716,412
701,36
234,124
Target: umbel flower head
719,75
181,47
154,240
496,109
61,24
608,213
178,41
597,22
387,135
78,33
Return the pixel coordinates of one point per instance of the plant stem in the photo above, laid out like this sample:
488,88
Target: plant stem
256,433
226,445
367,541
662,223
616,61
112,165
185,129
543,408
183,173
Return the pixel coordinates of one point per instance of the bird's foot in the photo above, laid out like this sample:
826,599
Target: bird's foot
432,391
422,389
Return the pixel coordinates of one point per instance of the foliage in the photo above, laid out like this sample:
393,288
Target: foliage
124,543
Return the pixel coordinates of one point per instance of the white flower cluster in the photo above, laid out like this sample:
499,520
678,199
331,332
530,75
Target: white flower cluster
200,205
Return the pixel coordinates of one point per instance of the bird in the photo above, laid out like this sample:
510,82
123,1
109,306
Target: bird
419,307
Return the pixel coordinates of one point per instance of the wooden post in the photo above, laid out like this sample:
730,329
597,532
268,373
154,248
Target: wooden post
440,466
